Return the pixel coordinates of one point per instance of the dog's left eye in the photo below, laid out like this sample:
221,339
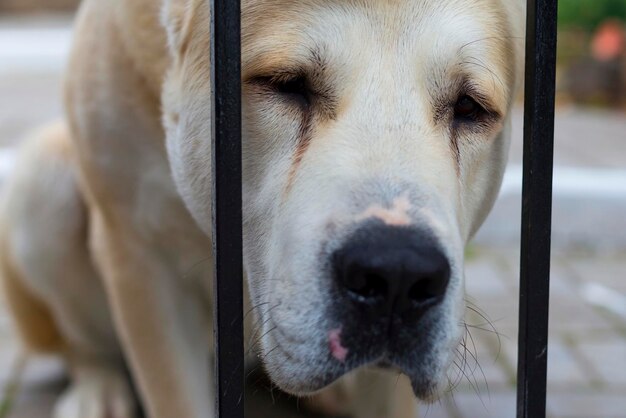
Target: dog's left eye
467,109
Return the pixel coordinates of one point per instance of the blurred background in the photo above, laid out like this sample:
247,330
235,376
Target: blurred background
587,353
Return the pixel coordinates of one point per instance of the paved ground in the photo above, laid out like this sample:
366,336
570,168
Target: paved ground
587,353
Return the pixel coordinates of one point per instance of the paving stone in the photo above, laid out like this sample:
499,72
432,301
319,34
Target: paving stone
563,284
563,367
37,402
496,405
436,410
40,378
585,404
608,357
482,278
9,353
609,272
38,406
573,316
24,114
40,382
39,409
508,266
9,347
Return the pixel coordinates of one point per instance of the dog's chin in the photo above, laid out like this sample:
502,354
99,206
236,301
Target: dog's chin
304,380
428,390
426,387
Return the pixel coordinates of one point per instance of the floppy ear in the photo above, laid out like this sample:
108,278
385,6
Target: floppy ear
516,10
174,17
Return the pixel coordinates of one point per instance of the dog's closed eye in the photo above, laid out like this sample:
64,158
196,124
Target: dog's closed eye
292,88
295,89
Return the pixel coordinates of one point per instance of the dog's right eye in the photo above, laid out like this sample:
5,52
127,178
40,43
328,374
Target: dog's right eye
294,89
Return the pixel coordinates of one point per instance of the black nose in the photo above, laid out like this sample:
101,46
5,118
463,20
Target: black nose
392,269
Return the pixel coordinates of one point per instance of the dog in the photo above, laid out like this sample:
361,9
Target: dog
375,139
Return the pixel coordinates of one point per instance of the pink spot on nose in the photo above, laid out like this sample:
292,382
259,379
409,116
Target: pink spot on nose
336,348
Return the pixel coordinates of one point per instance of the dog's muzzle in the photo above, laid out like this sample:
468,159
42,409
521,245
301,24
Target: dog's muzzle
389,303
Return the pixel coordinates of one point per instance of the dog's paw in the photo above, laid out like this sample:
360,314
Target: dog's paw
97,394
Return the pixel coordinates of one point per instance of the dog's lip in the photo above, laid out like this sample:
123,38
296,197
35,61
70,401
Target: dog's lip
424,389
335,367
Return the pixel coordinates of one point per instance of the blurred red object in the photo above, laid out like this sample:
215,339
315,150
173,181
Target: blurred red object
609,41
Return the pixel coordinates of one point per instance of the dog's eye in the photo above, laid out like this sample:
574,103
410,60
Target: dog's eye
295,89
466,109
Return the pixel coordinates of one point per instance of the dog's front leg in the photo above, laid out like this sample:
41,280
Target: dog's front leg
377,393
163,323
367,394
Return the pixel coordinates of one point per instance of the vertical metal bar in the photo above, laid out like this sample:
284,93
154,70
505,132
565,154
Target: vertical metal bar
227,212
536,207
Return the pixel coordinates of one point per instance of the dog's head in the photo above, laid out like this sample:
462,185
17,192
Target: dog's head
375,137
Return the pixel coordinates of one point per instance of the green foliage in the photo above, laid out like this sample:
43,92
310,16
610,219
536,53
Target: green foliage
588,14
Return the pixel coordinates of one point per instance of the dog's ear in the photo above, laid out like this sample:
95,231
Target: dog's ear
516,9
174,18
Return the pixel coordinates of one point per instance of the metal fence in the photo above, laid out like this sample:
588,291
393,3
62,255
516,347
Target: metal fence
536,207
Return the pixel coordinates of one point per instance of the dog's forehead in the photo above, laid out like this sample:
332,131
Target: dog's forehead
395,20
275,30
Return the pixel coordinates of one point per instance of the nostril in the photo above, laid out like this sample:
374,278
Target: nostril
367,284
426,290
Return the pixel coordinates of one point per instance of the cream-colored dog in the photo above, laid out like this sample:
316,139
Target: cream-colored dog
375,138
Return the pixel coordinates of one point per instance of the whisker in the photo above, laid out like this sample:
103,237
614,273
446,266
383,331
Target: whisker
252,309
256,338
475,357
489,322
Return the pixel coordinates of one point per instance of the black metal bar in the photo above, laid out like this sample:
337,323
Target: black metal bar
536,207
227,216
